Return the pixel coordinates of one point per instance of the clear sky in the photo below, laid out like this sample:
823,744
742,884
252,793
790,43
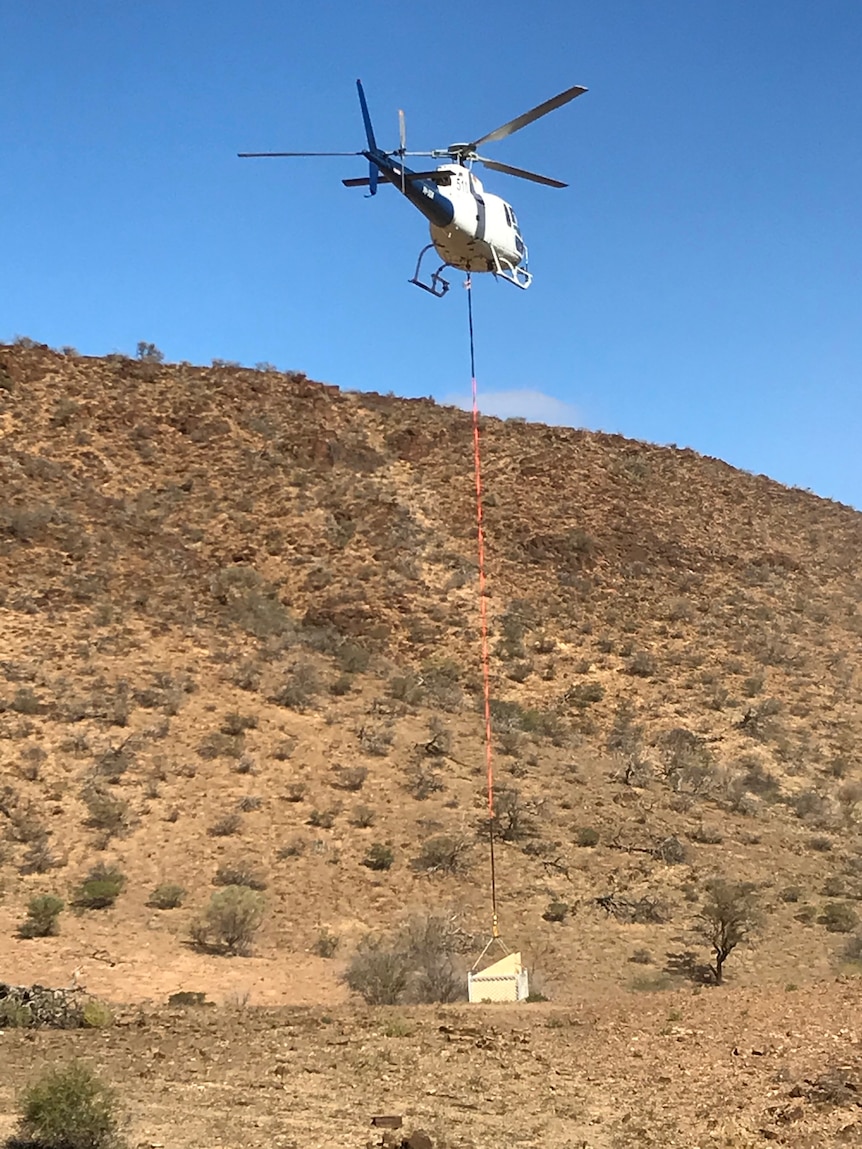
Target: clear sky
699,282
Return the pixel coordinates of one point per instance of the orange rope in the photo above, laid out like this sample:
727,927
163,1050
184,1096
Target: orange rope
483,608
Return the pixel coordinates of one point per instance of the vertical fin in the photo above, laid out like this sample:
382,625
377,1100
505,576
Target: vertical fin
369,131
373,173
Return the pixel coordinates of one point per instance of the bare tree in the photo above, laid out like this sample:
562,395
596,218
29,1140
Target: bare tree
727,918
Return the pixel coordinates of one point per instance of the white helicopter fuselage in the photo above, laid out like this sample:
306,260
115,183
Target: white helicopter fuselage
483,232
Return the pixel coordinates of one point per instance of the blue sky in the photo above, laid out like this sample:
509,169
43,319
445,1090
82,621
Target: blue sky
699,283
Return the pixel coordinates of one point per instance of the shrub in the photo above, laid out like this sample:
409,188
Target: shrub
167,896
96,1015
642,664
234,723
326,944
186,997
350,778
512,823
379,857
585,693
379,972
220,745
586,836
225,827
42,914
69,1108
790,894
414,964
292,849
641,957
442,854
422,781
362,817
38,858
101,888
230,921
105,812
15,1014
299,688
556,912
323,819
820,843
839,918
239,874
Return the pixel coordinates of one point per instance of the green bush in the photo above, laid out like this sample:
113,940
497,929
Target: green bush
586,836
96,1015
69,1108
14,1014
556,912
42,914
101,888
839,918
379,857
230,921
167,896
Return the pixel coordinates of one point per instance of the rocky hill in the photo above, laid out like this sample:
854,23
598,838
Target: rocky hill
239,636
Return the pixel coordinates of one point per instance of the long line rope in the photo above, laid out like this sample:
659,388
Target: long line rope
483,609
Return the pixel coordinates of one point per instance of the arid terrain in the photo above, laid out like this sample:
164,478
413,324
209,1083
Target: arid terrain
239,640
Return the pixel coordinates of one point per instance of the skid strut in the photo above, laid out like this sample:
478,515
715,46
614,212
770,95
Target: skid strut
438,285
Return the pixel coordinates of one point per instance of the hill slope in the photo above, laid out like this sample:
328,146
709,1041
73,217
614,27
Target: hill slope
239,627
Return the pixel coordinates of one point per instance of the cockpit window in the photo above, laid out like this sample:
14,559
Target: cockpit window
509,215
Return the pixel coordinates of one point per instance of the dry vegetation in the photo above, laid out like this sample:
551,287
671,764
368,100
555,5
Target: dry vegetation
239,672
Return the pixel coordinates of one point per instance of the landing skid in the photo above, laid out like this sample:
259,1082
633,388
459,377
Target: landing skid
502,269
438,285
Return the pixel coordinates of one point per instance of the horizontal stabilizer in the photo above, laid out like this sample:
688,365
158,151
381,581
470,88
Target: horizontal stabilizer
442,179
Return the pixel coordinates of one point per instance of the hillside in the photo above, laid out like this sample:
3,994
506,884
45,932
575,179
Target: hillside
238,627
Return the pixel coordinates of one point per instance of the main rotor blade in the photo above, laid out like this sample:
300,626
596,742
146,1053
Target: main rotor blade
263,155
521,173
528,117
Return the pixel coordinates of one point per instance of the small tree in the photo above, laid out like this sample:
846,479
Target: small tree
69,1108
41,921
727,918
149,353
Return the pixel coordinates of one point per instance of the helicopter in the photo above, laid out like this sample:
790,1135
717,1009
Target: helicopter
471,229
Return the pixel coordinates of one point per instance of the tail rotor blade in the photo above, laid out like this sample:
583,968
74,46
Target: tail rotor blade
402,132
528,117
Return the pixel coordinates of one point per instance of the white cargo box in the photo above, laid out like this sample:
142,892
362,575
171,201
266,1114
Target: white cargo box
505,980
